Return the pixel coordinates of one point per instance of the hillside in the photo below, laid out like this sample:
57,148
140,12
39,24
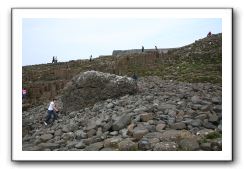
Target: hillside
175,105
200,61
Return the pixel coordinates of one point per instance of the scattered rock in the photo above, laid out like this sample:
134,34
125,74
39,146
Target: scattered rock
80,145
91,133
213,118
114,133
206,146
58,132
218,108
144,145
216,100
165,146
160,127
46,137
139,132
48,146
176,113
189,144
91,125
146,117
122,122
68,136
196,100
107,126
196,123
80,134
178,126
112,142
128,145
94,147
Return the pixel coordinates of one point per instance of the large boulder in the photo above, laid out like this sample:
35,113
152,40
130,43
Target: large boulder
90,87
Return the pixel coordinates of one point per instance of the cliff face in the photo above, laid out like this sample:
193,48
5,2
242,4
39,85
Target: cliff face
200,61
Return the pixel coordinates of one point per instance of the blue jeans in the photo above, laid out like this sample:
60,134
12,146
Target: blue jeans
51,113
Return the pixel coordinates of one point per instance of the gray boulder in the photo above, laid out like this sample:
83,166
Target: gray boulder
178,126
90,87
122,122
189,144
94,147
128,145
46,137
48,146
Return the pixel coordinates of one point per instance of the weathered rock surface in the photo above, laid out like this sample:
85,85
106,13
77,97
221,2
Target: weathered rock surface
161,116
90,87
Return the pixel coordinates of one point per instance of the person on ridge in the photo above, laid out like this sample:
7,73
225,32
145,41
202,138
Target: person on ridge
209,34
90,58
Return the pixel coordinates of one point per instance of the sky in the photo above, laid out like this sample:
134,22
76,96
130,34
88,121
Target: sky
73,39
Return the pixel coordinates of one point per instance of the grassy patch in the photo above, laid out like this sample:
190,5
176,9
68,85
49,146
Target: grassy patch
213,135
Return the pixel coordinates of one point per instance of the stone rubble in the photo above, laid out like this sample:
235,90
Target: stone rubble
160,116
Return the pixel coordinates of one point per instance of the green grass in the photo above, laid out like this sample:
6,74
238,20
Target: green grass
194,72
213,135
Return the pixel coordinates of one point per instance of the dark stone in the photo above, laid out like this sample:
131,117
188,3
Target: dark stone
144,145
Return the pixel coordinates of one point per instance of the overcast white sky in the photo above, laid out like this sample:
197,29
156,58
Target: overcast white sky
72,39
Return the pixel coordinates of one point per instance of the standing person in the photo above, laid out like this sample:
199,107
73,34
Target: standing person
134,76
209,34
52,109
142,49
90,58
24,93
53,60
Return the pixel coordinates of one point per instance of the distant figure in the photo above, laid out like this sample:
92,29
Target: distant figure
56,59
53,60
142,49
134,77
90,58
156,48
52,110
24,93
209,34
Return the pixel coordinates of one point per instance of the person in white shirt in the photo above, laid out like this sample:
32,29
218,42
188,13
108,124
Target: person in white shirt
51,112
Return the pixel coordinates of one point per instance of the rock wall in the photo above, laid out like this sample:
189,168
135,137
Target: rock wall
133,51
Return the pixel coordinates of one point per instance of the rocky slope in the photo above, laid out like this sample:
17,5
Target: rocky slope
199,62
164,115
